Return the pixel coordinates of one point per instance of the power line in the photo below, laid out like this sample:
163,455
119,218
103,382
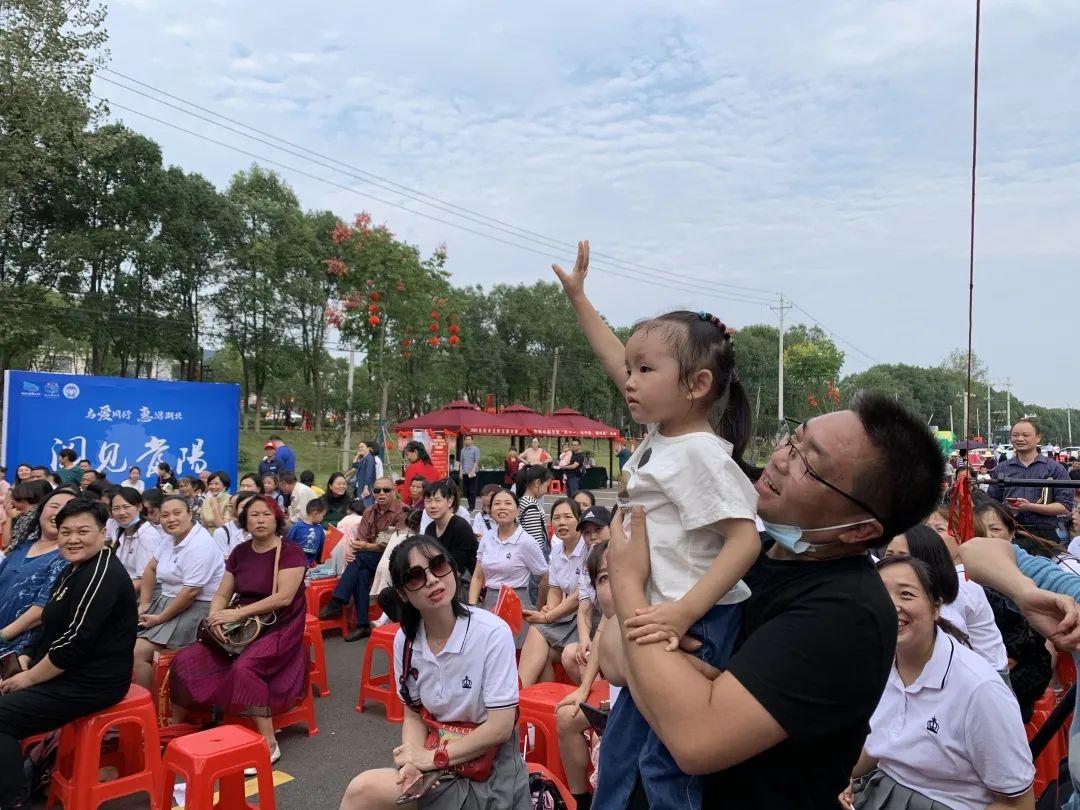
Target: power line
834,335
681,286
390,185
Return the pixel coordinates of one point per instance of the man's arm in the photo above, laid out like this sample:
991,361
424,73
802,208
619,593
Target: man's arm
1044,593
680,704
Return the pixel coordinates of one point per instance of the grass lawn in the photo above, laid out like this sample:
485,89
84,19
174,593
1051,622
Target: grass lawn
322,453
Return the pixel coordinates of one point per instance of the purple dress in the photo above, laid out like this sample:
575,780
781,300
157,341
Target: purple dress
270,676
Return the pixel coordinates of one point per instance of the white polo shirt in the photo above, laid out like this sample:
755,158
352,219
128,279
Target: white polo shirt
482,524
955,735
475,672
135,552
228,537
976,618
509,562
194,562
565,569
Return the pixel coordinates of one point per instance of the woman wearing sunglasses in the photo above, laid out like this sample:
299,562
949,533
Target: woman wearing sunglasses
454,664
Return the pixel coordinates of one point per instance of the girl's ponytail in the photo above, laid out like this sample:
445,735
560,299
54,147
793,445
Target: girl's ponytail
736,421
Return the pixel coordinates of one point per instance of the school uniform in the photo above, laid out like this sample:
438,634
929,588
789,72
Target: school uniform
474,673
510,562
481,524
462,512
228,537
194,562
954,736
564,573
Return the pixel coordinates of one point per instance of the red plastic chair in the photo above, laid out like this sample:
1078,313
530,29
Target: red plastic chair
313,642
536,707
555,487
508,608
220,753
318,593
79,758
381,688
1048,763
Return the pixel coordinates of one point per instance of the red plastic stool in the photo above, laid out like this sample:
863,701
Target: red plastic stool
564,791
555,487
313,642
381,688
536,707
220,753
79,758
302,712
318,593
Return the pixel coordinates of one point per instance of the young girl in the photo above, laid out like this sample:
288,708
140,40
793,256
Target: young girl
230,535
677,372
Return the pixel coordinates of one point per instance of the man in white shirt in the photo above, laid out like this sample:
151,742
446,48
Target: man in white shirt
299,495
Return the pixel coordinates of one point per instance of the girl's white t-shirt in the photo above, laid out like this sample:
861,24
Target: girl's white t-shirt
971,612
228,537
509,562
566,568
687,484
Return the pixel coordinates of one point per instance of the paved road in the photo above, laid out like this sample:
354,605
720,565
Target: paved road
347,742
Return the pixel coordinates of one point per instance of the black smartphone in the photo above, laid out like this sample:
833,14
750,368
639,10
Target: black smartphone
10,665
597,717
424,784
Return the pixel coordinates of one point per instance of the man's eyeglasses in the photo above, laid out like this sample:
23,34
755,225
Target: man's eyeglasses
382,490
416,577
786,439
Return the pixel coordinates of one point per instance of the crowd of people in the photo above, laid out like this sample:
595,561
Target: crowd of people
818,632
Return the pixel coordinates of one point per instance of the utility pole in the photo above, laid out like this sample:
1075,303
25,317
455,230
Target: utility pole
554,378
780,309
346,448
989,422
1068,417
951,429
1008,403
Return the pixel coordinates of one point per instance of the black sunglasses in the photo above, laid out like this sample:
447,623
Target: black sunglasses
790,426
416,577
383,489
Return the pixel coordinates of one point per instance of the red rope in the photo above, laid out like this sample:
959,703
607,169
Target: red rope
961,510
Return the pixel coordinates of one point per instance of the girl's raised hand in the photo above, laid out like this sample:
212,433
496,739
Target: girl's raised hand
574,283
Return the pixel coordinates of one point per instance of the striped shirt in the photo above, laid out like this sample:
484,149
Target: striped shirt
531,519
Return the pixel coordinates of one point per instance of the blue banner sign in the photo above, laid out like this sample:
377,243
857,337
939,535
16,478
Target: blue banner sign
119,422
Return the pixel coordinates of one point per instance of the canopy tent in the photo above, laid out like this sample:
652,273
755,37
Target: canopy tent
571,423
529,421
462,417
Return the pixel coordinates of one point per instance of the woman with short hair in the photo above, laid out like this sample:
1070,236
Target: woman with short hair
189,568
442,641
947,733
418,463
215,505
27,576
249,482
337,499
81,663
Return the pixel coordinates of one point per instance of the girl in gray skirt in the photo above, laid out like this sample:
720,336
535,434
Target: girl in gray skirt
554,625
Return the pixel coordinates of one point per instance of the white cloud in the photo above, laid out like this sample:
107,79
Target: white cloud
820,148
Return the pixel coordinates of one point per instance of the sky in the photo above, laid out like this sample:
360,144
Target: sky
716,153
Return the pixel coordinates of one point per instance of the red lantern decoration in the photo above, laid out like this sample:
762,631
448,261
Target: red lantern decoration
434,314
455,329
433,327
433,341
373,320
373,308
454,340
374,296
407,342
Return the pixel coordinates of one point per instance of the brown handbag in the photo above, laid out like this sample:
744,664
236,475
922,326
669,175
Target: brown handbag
239,634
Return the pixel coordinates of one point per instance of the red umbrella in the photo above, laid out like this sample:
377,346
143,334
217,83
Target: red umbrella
572,423
462,417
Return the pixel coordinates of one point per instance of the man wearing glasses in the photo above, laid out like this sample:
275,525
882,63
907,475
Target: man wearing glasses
362,555
784,725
